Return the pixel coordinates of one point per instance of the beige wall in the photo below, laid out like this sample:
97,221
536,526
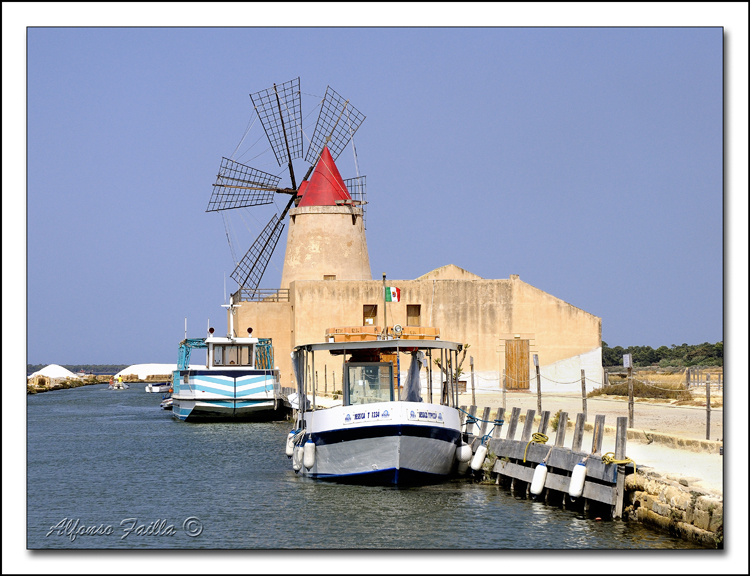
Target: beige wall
325,240
482,313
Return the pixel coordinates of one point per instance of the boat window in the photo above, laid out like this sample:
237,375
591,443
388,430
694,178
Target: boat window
232,355
246,355
370,382
218,355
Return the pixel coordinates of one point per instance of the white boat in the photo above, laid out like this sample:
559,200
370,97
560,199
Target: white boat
239,381
383,433
158,387
118,385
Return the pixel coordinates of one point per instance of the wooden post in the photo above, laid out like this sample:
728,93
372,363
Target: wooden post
596,444
473,394
543,422
514,414
606,378
630,397
334,381
325,378
538,391
472,413
562,423
499,415
621,442
708,407
504,404
578,433
583,392
528,423
462,417
485,421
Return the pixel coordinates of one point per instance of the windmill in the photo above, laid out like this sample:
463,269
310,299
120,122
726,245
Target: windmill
238,185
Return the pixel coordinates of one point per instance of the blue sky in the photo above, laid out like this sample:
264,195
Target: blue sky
586,160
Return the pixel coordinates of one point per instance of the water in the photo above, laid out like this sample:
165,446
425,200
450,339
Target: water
113,461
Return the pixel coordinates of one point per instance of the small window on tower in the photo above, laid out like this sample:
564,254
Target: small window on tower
413,313
369,314
329,276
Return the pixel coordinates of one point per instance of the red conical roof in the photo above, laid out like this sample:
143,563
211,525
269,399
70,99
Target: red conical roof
325,185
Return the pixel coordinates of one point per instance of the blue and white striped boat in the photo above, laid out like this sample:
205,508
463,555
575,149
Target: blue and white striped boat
239,381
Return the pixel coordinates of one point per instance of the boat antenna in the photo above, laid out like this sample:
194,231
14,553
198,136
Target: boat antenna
186,328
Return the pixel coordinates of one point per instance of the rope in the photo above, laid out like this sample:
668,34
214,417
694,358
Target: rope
609,458
474,419
536,438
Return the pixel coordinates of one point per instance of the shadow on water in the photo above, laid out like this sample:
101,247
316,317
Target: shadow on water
112,460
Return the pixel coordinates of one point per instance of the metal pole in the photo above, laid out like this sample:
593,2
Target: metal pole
630,397
473,392
708,407
385,304
429,370
325,379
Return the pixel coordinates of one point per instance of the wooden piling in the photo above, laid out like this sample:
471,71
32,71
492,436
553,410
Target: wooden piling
630,398
578,433
471,428
621,442
596,444
543,422
500,416
583,392
527,425
473,393
538,391
562,423
513,424
485,421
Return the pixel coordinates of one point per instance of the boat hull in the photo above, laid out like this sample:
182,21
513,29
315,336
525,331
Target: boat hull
210,395
398,449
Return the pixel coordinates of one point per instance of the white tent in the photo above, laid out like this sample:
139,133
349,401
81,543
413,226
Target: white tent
54,371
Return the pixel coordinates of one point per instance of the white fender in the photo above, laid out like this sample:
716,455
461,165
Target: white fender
537,482
309,454
290,444
297,458
478,459
577,479
463,452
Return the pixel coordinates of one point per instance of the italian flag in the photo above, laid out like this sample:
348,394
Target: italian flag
392,294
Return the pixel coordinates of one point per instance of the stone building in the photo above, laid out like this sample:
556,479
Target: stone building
327,282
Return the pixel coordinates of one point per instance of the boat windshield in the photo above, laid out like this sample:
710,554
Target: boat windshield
369,382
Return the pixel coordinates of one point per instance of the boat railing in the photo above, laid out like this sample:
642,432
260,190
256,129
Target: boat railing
262,295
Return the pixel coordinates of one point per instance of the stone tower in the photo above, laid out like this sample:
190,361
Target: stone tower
326,238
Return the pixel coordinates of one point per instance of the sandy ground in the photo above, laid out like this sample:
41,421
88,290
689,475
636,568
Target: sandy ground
701,469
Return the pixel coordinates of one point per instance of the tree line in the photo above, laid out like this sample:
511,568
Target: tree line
88,368
681,356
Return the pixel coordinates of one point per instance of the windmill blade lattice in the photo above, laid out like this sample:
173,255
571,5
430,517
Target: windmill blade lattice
358,191
238,185
251,268
337,122
280,111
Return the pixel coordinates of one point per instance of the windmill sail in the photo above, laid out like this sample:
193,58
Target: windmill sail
251,268
238,185
358,191
337,122
280,111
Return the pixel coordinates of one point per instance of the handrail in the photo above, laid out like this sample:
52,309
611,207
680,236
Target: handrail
261,295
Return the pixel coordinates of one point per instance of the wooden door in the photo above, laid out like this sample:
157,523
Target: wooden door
517,364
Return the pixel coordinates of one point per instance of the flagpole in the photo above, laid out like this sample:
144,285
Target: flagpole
385,312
